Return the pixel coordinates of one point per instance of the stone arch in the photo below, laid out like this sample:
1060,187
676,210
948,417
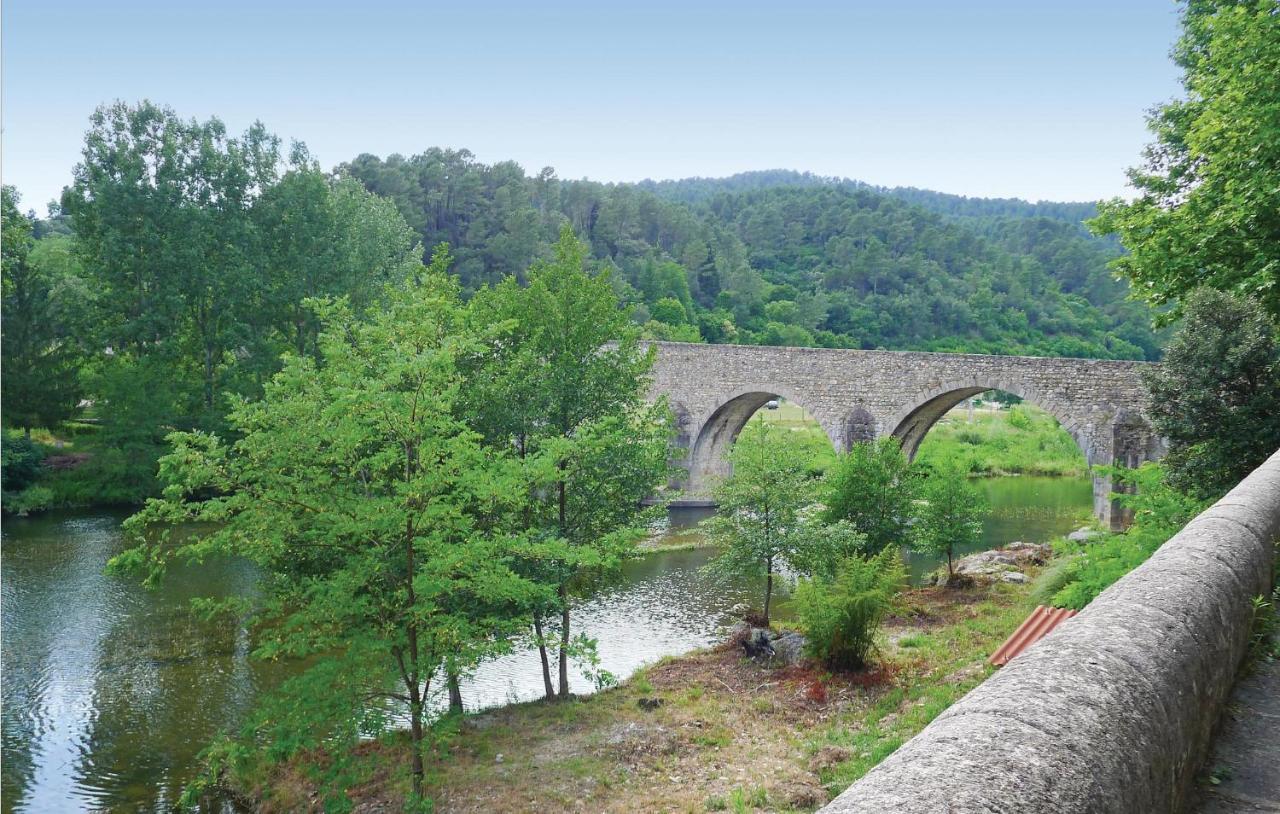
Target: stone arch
708,455
918,415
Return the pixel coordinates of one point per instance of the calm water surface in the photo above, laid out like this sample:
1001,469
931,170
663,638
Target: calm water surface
111,690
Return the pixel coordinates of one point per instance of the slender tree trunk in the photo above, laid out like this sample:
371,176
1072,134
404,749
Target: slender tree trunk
564,642
542,654
412,675
455,692
564,597
208,377
768,588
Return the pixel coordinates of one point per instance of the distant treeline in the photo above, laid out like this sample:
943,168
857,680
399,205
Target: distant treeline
785,258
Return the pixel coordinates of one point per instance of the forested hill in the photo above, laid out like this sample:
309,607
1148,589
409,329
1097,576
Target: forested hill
698,190
787,258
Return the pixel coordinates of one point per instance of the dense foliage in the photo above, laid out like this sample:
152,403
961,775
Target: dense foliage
399,545
786,259
41,386
873,487
1159,512
1216,397
1208,205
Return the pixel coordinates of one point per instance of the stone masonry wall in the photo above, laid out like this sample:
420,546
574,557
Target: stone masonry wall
855,395
1111,713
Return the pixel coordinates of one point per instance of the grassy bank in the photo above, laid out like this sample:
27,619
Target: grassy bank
728,734
1022,440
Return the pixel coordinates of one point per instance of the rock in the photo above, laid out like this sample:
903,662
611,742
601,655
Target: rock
1084,534
758,643
788,647
497,758
986,563
1016,577
649,703
1037,553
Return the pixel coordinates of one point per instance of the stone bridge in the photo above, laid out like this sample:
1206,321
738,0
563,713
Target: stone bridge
860,395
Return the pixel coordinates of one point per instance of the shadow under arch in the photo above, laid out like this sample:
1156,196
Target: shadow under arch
922,411
709,453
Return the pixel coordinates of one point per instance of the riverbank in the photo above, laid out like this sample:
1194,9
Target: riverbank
716,731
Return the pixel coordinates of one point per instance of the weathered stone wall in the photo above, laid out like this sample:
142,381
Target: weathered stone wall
857,395
1113,711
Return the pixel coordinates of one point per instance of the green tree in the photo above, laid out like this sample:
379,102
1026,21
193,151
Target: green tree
371,509
41,364
324,238
759,525
565,387
872,486
1216,396
161,208
950,517
1208,205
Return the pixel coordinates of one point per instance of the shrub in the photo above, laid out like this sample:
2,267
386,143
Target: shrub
842,615
31,499
20,461
1160,512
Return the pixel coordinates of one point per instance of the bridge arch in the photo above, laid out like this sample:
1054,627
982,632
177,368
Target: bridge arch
709,452
920,412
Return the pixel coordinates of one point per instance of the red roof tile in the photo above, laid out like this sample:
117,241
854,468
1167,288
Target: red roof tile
1038,625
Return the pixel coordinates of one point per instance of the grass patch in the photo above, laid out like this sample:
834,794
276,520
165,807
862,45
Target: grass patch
731,734
1021,440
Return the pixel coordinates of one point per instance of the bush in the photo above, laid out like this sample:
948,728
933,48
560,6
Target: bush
20,461
841,616
110,477
31,499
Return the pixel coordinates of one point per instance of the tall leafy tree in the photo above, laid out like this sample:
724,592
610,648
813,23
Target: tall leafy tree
1208,206
950,517
322,237
565,387
161,207
872,486
374,513
41,364
1216,396
759,524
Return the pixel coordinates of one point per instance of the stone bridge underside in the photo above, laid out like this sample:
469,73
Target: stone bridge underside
859,395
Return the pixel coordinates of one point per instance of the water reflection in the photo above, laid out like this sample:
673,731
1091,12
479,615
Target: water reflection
111,690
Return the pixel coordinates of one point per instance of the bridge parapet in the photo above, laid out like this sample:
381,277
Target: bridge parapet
1112,713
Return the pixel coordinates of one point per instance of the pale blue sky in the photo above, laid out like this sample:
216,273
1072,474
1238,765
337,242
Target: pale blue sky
1027,98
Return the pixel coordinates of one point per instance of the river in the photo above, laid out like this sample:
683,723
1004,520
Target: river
111,690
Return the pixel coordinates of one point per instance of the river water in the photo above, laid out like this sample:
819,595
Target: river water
111,690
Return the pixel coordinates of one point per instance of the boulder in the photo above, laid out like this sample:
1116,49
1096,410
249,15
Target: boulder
986,563
1084,535
788,647
1016,577
758,643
